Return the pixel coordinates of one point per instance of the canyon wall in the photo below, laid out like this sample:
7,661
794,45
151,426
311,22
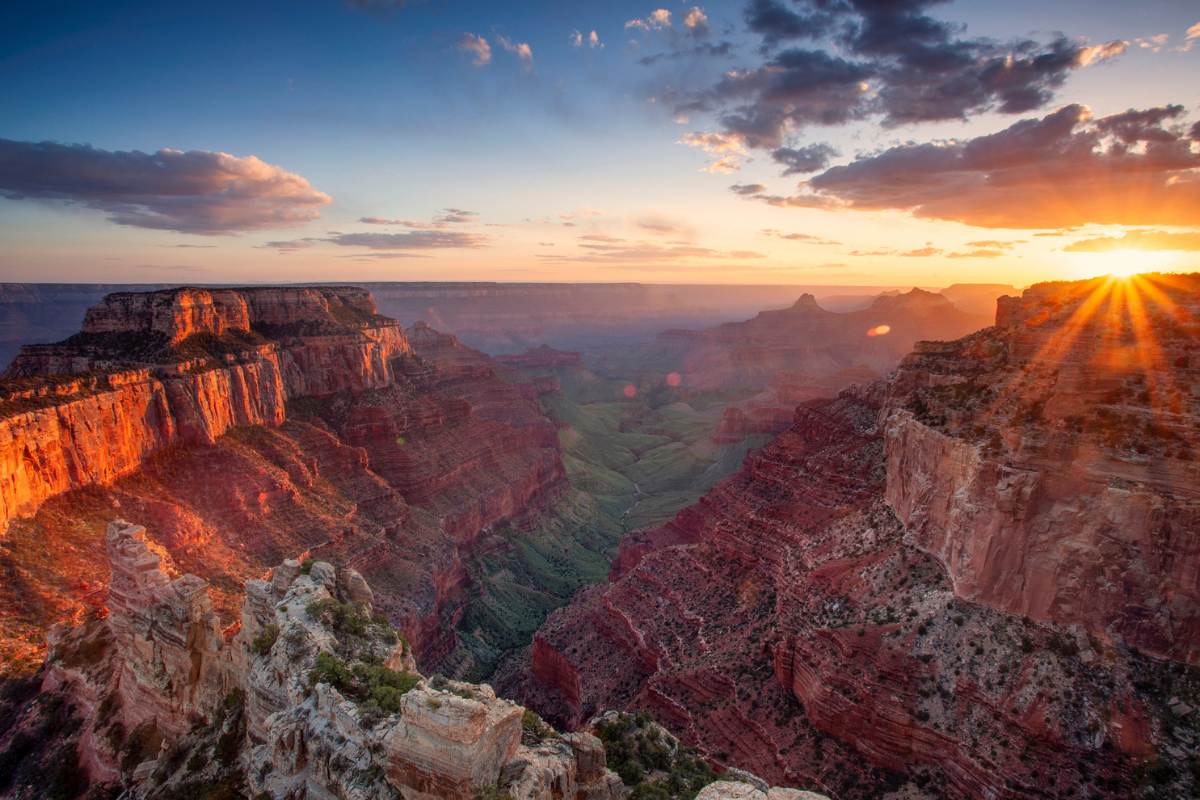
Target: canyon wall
1049,465
59,433
967,574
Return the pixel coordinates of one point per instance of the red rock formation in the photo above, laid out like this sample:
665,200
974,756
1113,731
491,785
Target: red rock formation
398,479
1048,465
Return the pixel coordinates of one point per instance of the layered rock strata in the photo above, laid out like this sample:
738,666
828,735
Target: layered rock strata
789,624
133,392
1049,463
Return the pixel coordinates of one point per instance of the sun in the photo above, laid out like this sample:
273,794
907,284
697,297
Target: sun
1122,263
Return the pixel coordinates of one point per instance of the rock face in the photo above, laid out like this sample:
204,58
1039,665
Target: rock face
897,581
167,635
805,338
303,737
62,433
1049,465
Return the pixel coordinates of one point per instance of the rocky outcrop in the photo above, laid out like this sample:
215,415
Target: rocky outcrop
60,433
1049,463
167,636
788,625
332,704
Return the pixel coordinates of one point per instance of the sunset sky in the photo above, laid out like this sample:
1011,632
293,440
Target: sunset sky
870,142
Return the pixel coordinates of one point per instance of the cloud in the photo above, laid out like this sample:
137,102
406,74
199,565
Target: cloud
807,238
660,226
998,245
444,219
656,21
923,252
292,245
605,249
893,61
190,246
1153,43
813,158
723,166
581,212
196,192
695,23
413,240
977,254
593,41
522,51
729,148
477,47
1190,38
748,188
1139,240
1064,170
702,50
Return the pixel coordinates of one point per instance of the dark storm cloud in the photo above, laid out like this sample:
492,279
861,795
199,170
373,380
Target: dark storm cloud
194,192
1061,171
894,62
801,161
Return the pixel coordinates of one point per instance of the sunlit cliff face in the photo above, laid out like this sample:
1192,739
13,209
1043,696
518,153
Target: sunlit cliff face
1133,311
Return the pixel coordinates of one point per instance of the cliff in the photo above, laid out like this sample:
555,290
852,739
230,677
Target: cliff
152,370
1049,464
313,696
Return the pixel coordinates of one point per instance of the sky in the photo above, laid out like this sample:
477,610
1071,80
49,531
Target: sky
847,142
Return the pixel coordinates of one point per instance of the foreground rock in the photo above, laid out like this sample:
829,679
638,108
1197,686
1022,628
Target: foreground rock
312,697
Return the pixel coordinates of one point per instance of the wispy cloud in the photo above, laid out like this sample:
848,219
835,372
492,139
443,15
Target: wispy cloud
523,52
477,47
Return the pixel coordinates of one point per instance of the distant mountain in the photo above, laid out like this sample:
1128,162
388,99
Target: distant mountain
805,338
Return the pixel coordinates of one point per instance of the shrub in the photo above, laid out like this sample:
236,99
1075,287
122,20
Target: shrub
265,640
142,743
373,686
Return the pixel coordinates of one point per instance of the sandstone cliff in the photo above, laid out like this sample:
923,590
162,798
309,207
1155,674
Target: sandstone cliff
129,398
1049,463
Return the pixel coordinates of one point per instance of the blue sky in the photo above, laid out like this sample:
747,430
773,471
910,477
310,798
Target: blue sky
385,111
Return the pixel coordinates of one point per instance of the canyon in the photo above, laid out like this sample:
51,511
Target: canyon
327,429
973,579
965,570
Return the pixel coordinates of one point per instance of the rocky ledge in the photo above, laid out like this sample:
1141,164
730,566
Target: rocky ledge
312,696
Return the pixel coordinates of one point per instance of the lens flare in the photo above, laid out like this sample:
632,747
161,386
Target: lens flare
674,379
630,390
879,330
